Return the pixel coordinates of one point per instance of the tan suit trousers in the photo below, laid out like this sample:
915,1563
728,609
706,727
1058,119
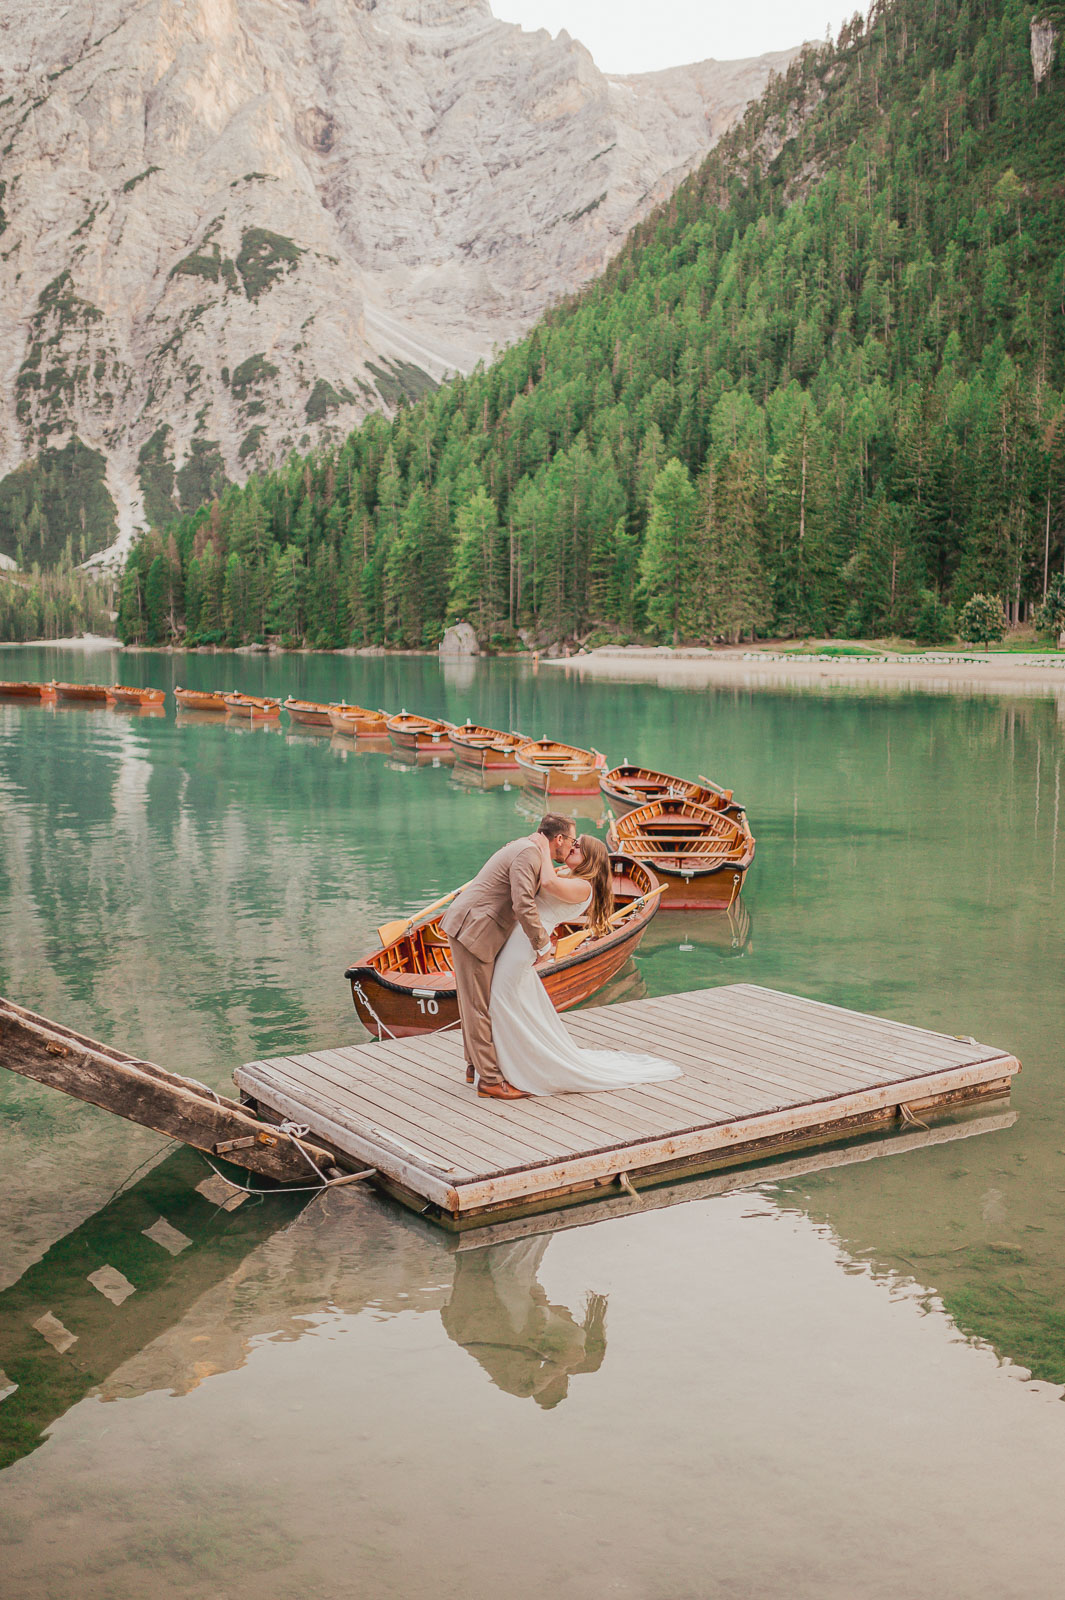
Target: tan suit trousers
473,980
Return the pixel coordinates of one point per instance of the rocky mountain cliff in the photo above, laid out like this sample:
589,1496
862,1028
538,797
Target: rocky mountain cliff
232,227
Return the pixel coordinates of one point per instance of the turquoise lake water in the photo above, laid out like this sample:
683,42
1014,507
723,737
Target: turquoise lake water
846,1382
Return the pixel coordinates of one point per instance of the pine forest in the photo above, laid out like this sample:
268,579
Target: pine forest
821,391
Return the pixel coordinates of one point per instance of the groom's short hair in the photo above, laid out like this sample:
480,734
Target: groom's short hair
552,825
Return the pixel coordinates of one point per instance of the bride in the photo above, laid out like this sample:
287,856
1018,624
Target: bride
534,1049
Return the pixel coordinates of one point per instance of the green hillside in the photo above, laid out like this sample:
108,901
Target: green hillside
821,390
57,507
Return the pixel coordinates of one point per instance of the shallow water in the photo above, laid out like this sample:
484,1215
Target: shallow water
815,1387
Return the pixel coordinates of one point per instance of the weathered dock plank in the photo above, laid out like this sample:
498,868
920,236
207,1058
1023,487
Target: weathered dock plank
763,1072
140,1091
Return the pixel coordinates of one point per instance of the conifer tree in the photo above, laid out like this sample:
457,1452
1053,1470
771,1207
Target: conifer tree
876,317
669,564
477,592
735,598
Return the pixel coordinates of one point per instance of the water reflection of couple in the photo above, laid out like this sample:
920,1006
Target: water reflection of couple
499,1312
498,927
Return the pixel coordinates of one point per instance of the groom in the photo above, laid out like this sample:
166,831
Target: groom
478,925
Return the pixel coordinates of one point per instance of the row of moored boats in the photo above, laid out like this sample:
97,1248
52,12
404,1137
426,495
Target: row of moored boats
114,694
676,843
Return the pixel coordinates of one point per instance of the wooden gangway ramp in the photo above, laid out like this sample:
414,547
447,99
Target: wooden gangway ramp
763,1072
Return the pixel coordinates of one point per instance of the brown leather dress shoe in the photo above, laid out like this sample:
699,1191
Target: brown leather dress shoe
500,1091
469,1073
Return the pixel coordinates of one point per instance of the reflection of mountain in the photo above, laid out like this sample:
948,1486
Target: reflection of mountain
501,1315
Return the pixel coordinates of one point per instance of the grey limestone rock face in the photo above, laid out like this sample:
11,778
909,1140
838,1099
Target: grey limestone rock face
459,640
232,228
1043,36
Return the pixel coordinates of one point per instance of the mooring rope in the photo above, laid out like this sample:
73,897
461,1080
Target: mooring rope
360,994
305,1188
297,1132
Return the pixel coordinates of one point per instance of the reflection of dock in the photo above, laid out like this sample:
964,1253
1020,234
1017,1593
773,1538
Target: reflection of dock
165,1287
115,1283
968,1123
764,1072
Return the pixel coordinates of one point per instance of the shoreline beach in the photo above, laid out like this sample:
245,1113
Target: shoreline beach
752,669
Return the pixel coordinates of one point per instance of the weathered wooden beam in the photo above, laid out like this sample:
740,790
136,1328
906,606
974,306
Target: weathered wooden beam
141,1092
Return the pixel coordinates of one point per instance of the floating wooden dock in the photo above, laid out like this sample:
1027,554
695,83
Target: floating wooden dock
764,1073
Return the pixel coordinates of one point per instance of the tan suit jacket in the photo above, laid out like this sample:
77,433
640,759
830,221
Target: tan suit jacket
503,893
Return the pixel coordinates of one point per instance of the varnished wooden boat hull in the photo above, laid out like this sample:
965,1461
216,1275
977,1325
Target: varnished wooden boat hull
486,749
627,788
201,700
420,736
355,722
701,856
713,890
550,768
27,691
91,692
308,714
121,694
257,708
551,781
404,1004
484,760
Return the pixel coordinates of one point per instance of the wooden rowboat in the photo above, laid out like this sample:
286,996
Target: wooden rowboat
408,986
28,691
628,786
201,699
309,712
702,856
420,734
355,722
81,691
486,749
255,706
549,768
120,694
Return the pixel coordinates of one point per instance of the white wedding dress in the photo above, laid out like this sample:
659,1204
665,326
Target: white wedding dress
534,1050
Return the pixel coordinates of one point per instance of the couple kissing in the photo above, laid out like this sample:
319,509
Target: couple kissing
499,926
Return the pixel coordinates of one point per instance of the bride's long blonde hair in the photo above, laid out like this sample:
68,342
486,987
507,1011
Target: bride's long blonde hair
594,866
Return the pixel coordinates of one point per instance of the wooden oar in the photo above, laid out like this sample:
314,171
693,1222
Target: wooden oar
566,946
389,932
726,794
